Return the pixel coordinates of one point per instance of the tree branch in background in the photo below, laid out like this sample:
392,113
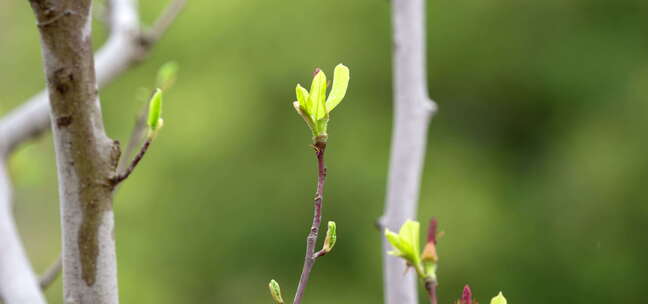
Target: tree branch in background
412,112
50,275
126,46
17,280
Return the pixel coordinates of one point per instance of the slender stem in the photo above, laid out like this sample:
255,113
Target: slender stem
51,273
430,286
135,138
311,240
124,175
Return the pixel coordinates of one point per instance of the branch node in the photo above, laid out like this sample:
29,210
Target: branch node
121,176
56,18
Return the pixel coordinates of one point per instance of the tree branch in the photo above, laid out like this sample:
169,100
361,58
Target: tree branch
17,280
311,240
122,175
430,287
50,275
165,20
412,112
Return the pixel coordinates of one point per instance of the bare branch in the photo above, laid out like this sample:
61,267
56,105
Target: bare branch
165,20
413,110
311,240
121,176
50,275
17,280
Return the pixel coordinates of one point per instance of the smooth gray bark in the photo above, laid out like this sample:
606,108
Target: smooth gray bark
86,158
18,283
412,112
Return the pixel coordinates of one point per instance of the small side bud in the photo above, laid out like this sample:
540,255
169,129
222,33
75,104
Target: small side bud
499,299
331,237
155,111
167,75
429,252
275,291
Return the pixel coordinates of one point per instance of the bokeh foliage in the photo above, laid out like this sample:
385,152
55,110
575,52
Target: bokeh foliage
535,167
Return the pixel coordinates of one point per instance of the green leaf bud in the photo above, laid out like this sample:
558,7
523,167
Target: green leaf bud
331,237
275,291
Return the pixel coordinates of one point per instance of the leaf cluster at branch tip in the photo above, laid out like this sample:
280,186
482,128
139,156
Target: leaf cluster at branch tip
314,107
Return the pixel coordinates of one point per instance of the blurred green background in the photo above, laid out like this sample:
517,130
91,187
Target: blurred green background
536,167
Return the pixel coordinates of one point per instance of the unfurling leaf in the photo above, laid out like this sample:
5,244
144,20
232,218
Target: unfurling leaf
313,105
275,291
406,242
340,84
302,97
318,96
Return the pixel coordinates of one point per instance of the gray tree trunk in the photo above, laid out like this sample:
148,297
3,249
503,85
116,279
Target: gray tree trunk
412,112
86,158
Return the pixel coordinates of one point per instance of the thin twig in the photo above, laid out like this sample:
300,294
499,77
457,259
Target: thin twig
50,275
320,253
165,20
311,240
135,139
124,175
430,287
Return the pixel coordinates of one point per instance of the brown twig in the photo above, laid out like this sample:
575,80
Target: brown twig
311,240
120,177
430,287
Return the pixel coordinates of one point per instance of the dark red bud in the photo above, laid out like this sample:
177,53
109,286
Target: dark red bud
432,231
466,297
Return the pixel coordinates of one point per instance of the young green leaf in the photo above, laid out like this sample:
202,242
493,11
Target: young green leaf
409,232
499,299
302,97
167,75
155,111
401,248
275,291
340,84
318,96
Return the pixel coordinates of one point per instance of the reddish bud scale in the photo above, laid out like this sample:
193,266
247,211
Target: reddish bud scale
467,295
432,231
